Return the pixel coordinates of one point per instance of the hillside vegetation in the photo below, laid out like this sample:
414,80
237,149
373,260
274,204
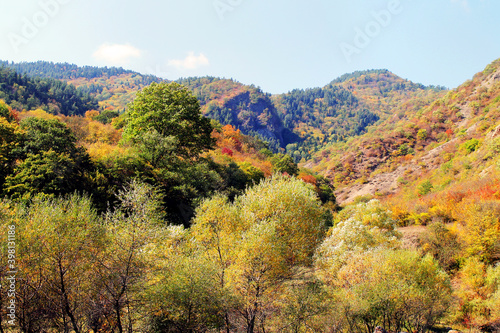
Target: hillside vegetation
26,93
160,219
300,122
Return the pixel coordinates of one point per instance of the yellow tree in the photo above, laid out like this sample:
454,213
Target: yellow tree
395,289
215,230
122,267
481,229
57,239
259,239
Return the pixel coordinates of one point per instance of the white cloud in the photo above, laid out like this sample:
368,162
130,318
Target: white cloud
190,62
117,54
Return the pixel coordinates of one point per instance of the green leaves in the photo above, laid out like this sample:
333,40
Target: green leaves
47,173
47,134
170,110
50,162
10,140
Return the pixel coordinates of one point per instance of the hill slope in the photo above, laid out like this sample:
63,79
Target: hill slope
23,92
455,132
345,107
301,122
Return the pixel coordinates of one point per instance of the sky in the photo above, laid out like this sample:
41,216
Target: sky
277,45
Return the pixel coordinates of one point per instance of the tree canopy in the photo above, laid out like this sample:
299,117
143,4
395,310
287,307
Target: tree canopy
170,110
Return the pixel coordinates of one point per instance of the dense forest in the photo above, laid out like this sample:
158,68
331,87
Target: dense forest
64,71
160,219
300,122
56,97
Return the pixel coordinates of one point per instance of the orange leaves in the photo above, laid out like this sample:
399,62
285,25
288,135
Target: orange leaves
233,146
91,114
310,179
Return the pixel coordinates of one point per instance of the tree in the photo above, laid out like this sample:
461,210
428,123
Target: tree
58,238
481,232
7,113
188,298
122,267
171,111
10,140
259,239
396,289
47,134
51,163
357,229
48,173
442,244
284,164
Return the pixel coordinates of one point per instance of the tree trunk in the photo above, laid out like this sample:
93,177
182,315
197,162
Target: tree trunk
251,324
118,316
67,308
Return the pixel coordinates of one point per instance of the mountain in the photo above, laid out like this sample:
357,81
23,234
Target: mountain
344,108
54,96
300,122
113,87
247,108
442,141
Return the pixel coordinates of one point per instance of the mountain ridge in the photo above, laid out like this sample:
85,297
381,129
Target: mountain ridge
298,122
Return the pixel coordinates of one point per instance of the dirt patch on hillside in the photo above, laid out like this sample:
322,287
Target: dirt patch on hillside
412,236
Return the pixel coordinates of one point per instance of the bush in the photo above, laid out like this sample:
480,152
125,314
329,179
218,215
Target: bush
471,146
425,188
397,289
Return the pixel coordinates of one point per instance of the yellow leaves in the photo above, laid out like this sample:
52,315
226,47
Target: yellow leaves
98,132
91,114
37,113
481,228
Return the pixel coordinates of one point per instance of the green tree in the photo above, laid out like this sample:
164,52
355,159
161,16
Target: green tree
47,134
48,172
10,140
170,110
6,112
471,146
51,163
425,187
422,134
284,164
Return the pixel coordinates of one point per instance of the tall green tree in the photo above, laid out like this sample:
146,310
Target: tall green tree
47,134
10,140
50,161
171,111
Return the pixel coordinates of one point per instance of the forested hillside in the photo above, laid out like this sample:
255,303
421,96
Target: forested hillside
155,218
421,136
114,88
244,107
54,96
345,108
62,71
301,122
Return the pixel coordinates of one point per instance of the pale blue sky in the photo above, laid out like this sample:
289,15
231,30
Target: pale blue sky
275,44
